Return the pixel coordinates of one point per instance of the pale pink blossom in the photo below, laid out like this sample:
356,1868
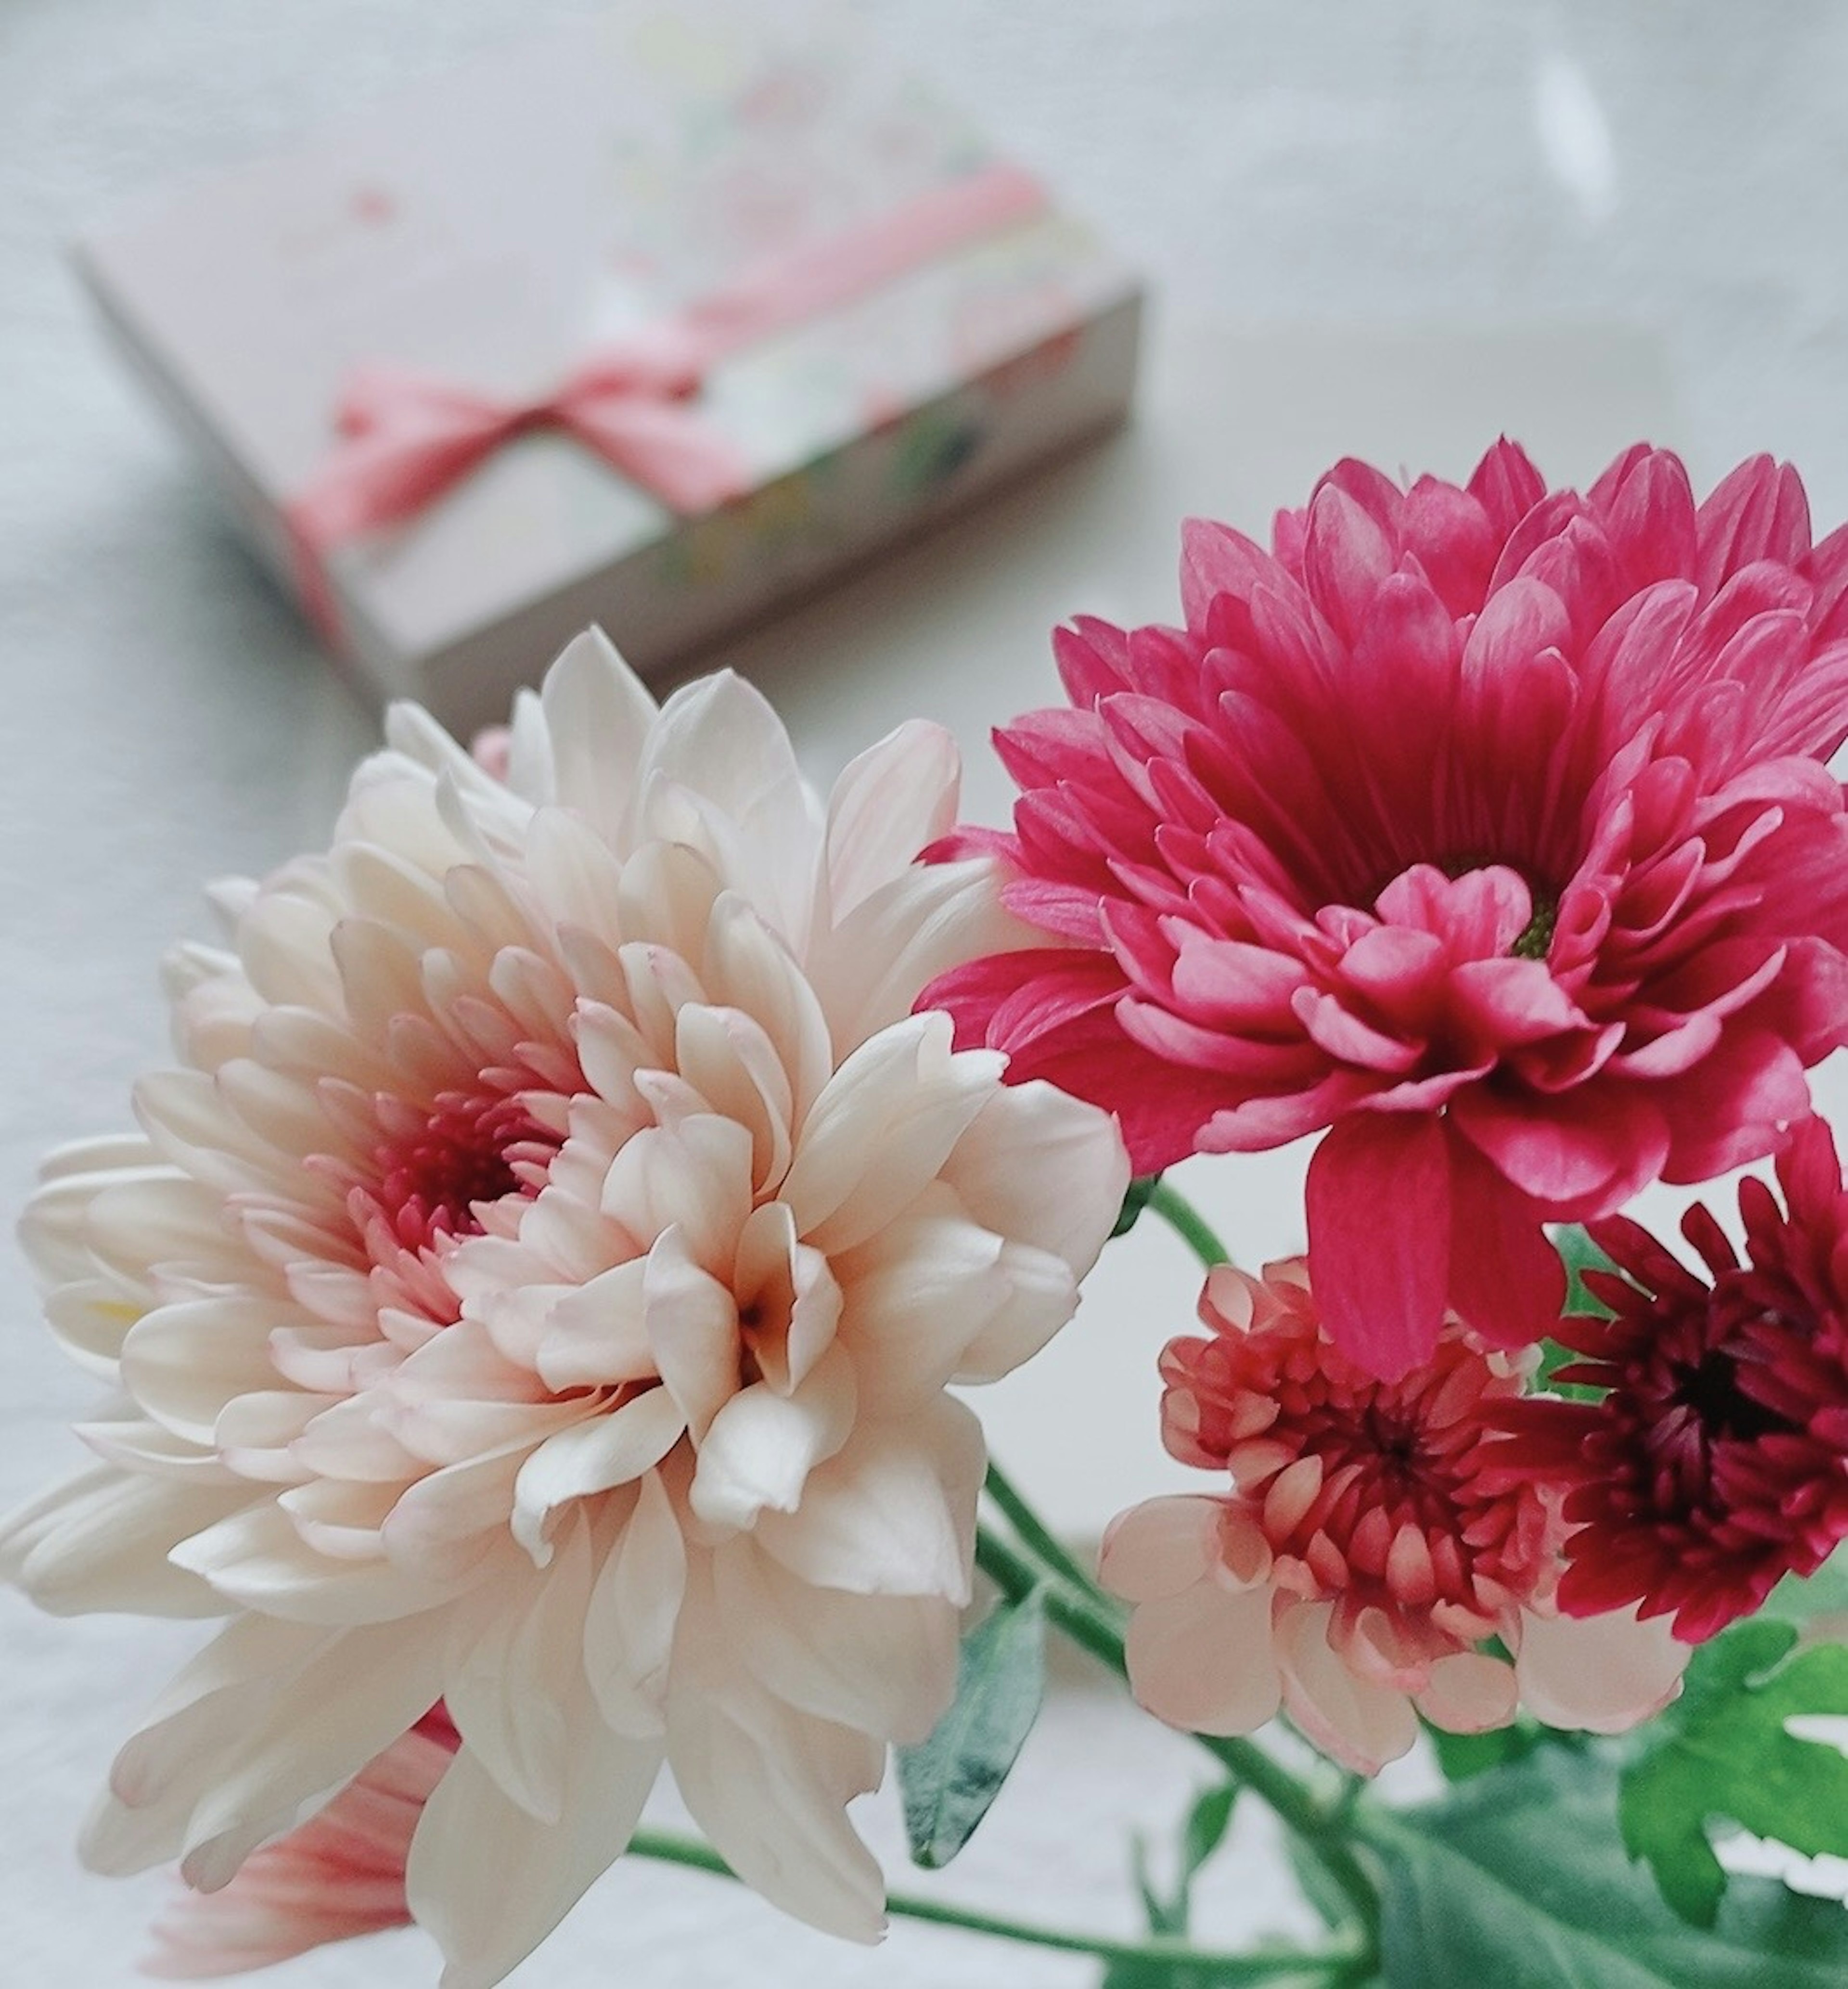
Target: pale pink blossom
536,1291
1487,828
1362,1557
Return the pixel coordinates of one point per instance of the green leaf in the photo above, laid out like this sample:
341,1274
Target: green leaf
1579,1254
1204,1832
1518,1879
1135,1201
1462,1756
1799,1599
950,1779
1725,1753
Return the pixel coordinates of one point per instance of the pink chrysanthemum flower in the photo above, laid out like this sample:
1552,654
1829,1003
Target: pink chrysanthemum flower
1361,1557
340,1874
538,1291
1716,1461
1487,828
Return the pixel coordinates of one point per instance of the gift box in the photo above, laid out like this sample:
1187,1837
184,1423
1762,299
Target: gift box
650,322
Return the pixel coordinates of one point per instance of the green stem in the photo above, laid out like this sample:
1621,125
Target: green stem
1188,1223
1221,1968
1035,1534
1093,1621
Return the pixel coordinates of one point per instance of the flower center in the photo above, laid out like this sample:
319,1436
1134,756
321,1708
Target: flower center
1536,938
472,1150
1694,1403
1397,1458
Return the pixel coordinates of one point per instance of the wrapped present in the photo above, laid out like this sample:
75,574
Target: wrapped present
652,322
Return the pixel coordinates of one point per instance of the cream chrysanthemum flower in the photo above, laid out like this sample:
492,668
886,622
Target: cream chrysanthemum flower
536,1292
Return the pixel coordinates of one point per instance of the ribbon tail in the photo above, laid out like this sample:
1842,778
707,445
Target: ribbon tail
382,477
663,447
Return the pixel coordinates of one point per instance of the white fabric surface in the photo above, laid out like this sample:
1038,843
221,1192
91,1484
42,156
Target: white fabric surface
1535,170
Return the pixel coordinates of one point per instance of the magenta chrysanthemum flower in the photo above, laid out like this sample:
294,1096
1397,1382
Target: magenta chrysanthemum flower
1363,1554
1487,826
1717,1461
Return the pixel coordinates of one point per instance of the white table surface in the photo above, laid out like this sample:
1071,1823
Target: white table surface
1427,221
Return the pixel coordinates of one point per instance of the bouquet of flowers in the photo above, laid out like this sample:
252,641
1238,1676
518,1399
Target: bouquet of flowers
532,1305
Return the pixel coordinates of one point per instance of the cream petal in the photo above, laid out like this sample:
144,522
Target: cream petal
893,1513
666,900
347,1440
445,1528
183,1117
254,1433
90,1318
268,1716
634,1605
256,1559
161,1217
591,1457
98,1155
761,1446
882,1128
1202,1661
515,1667
1161,1548
101,1541
769,1787
696,1178
574,873
488,1881
611,1049
346,1706
1598,1674
718,740
733,1064
1471,1692
1361,1726
184,1363
748,967
692,1328
283,940
599,721
919,1291
885,1664
889,803
379,885
144,1448
1043,1169
792,1290
1041,1296
875,964
597,1333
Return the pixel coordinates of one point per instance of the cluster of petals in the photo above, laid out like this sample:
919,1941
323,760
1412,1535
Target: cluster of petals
1362,1556
1713,1460
536,1292
340,1874
1487,826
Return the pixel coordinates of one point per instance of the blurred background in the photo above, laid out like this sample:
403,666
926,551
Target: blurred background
1391,230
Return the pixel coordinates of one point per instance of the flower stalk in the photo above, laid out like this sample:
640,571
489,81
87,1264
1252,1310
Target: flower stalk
1337,1965
1188,1223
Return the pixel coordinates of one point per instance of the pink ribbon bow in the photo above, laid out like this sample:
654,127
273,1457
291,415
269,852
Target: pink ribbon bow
407,436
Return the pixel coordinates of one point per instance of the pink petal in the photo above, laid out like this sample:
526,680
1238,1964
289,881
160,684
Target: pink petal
1598,1674
1378,1198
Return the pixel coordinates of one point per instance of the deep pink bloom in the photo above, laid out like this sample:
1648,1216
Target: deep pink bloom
1487,828
1716,1463
340,1874
1361,1557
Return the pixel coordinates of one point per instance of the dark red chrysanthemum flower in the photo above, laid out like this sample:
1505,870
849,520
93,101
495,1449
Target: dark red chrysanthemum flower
1717,1461
1487,826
